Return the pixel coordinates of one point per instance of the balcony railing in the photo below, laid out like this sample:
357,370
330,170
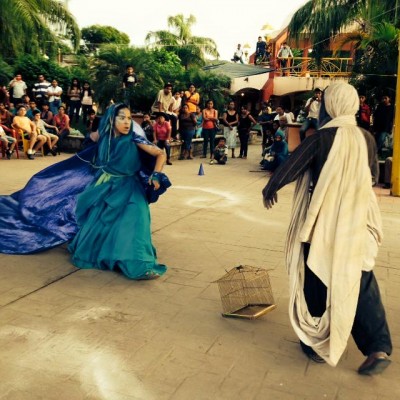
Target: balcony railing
330,67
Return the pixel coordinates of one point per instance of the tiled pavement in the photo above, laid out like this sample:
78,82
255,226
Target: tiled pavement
84,334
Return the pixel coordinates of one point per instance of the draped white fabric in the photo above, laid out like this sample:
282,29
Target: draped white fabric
343,226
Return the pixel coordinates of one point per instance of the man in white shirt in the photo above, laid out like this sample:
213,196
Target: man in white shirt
238,55
280,113
54,93
312,110
284,54
18,89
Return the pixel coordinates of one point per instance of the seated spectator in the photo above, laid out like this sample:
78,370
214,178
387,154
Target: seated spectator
6,119
46,115
61,121
27,128
31,110
277,154
51,139
220,152
8,141
162,135
147,127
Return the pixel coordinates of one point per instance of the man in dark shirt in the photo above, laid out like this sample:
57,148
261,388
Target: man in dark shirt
329,246
383,121
261,48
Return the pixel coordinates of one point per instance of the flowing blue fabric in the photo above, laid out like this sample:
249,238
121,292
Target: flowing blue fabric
42,214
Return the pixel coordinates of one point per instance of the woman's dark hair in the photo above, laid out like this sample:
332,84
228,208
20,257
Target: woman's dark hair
209,101
77,84
89,90
323,117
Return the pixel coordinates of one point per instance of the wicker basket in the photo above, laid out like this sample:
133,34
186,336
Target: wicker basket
246,292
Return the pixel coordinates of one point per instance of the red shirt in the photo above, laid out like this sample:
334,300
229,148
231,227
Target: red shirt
161,132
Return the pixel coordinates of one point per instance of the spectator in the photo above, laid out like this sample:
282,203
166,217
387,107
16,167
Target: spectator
54,93
129,82
265,120
210,119
364,114
246,121
199,118
220,153
46,115
162,135
191,98
39,90
17,88
187,126
27,128
283,55
147,127
383,121
32,109
277,153
61,121
4,96
312,109
6,119
230,119
74,100
9,142
163,104
280,112
51,139
86,100
238,54
261,48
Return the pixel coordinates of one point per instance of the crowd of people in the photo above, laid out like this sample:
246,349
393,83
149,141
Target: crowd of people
42,118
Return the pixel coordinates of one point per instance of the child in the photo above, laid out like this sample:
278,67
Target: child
9,142
147,127
51,139
220,152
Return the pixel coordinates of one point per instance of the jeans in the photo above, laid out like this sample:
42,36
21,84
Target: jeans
74,108
307,124
187,137
163,144
244,143
54,106
208,136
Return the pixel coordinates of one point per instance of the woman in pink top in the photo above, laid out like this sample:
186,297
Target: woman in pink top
61,121
162,135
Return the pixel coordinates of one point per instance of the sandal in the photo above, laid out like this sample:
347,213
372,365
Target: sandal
311,354
375,364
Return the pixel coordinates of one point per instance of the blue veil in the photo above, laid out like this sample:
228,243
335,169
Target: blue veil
42,214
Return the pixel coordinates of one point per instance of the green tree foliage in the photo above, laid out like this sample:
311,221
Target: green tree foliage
192,50
34,26
97,35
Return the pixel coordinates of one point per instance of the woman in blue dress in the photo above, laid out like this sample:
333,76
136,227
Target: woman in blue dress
110,222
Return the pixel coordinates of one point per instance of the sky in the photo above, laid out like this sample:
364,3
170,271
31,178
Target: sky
228,22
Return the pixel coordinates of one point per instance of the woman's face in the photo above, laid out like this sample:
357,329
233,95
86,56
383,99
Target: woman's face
123,121
231,105
210,104
185,108
86,86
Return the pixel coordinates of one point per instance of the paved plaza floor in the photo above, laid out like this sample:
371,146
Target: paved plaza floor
69,334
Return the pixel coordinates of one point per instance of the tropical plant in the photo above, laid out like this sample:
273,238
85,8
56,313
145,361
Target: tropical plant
97,35
192,50
34,27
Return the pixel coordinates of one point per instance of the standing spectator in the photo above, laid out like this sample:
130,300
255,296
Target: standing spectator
61,121
383,121
210,119
86,100
74,100
312,109
246,121
129,82
199,125
54,93
283,55
364,114
280,112
191,98
162,135
27,128
173,114
265,120
238,54
17,89
147,127
230,119
39,90
261,48
4,96
46,115
187,126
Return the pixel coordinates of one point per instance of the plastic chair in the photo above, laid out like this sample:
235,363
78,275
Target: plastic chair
4,147
25,142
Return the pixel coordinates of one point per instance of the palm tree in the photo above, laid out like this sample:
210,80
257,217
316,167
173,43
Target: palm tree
192,50
31,27
321,20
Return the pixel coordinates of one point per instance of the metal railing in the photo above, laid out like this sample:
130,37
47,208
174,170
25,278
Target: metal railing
329,67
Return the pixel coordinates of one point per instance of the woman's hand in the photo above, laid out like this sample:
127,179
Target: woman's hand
155,180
